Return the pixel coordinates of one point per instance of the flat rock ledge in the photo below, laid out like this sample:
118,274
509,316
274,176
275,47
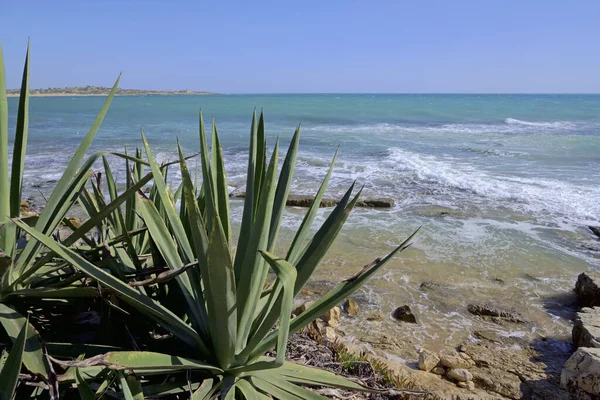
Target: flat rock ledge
586,329
297,200
587,289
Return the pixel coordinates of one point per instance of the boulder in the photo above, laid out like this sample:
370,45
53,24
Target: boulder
581,374
586,329
459,374
452,359
587,289
332,317
351,307
595,230
405,314
427,360
439,371
495,313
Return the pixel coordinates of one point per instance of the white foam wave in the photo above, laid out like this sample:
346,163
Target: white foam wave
539,196
555,124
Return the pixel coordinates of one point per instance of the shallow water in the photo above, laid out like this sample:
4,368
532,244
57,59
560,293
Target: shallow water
503,185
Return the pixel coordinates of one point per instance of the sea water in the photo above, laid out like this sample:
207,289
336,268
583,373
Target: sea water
504,187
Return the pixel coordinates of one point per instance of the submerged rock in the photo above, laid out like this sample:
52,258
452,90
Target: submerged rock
351,307
404,314
586,329
495,313
587,289
301,200
595,230
581,375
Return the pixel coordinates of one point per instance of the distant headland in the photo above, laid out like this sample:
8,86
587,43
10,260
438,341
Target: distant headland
101,91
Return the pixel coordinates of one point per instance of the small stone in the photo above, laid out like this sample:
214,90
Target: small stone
470,385
427,360
451,358
459,374
462,385
302,307
332,317
405,314
351,307
439,371
329,333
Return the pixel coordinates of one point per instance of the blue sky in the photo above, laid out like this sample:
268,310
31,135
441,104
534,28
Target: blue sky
307,46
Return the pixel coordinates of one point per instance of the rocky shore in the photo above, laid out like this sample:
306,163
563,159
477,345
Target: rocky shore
489,365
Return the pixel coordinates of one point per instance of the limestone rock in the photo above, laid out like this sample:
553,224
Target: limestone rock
581,375
439,371
586,330
351,307
427,360
332,317
461,384
459,374
329,333
452,359
587,289
381,202
495,313
405,314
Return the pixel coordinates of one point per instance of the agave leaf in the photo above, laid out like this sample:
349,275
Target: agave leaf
205,390
131,296
254,272
217,274
33,356
147,360
283,189
131,387
274,390
303,374
4,179
323,239
286,275
18,161
161,236
247,390
296,246
85,391
9,376
261,158
220,187
249,204
54,210
331,298
169,208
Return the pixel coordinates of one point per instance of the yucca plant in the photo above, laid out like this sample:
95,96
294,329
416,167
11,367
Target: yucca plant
229,310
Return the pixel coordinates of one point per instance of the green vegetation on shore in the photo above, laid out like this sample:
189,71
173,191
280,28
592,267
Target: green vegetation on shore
174,306
101,91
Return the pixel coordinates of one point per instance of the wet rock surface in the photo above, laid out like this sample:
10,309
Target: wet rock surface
300,200
586,328
587,290
405,314
495,313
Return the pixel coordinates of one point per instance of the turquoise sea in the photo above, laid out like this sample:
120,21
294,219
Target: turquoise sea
503,185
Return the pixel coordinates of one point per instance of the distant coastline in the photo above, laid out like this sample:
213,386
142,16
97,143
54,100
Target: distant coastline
100,91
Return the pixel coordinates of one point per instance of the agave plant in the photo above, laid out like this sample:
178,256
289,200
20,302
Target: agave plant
228,309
